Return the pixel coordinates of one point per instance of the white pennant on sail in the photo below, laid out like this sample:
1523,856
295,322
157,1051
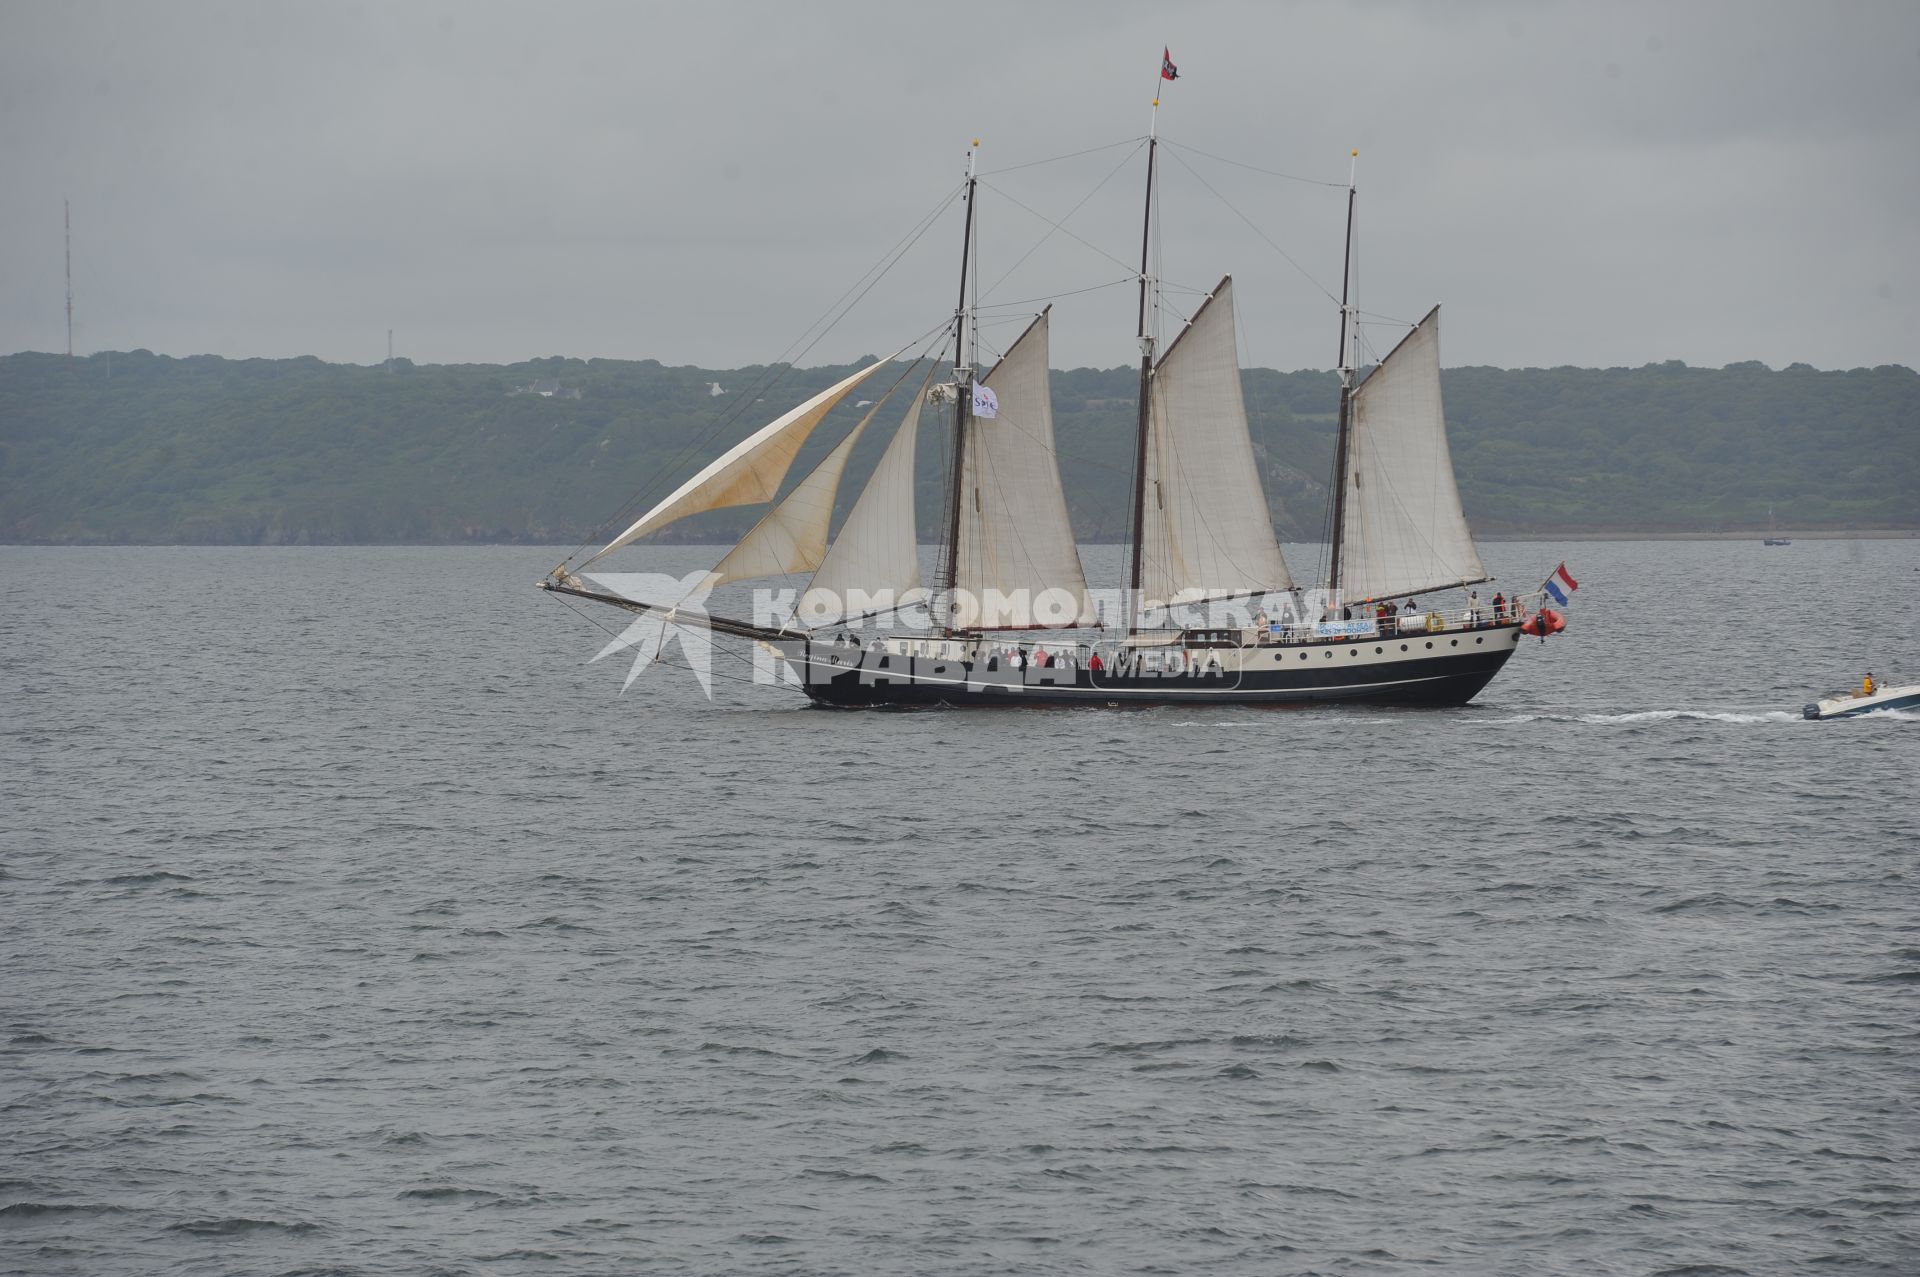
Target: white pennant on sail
749,472
1402,529
874,563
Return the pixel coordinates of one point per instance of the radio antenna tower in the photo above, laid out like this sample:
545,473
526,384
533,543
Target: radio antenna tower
66,211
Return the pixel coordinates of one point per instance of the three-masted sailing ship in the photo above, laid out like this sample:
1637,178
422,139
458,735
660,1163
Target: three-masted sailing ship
1009,618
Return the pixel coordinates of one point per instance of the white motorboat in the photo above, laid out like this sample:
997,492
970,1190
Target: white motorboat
1854,704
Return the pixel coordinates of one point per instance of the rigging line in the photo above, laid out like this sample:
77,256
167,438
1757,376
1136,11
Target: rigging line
1252,168
930,339
907,369
1025,207
731,678
780,367
1183,317
1059,225
1264,237
1133,277
851,298
873,275
660,657
1071,155
933,339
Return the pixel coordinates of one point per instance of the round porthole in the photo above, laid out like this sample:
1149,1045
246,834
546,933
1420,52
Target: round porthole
1329,655
1303,656
1276,656
1453,642
1353,651
1403,647
1429,642
1378,650
1479,641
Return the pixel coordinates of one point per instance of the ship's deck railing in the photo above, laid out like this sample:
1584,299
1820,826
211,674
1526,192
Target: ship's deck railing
999,651
1367,627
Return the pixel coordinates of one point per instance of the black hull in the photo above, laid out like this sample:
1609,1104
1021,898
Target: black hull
1444,670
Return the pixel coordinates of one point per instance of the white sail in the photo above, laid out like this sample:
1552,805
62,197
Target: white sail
749,472
1402,528
1205,528
792,537
1016,543
875,561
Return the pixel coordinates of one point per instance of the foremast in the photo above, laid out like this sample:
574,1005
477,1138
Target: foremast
1144,424
1343,437
965,348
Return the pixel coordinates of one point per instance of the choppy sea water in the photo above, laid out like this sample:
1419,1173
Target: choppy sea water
354,924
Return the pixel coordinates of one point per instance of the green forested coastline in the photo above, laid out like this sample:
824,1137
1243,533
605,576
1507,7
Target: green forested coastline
133,447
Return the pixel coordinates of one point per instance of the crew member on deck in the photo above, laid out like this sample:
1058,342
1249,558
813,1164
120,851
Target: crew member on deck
1866,684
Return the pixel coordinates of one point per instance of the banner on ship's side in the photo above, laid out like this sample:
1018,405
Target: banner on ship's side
1345,629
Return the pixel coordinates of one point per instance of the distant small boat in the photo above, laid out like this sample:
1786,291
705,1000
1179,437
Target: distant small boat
1853,705
1771,539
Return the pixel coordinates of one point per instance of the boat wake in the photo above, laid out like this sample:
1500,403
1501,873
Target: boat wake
1650,716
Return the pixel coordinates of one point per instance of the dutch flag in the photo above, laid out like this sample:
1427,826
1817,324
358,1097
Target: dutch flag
1559,585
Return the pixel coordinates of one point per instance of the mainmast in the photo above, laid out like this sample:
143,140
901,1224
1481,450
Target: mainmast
1147,293
1347,343
964,321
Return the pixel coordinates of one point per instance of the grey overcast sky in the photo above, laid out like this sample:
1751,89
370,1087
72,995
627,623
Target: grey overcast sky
1578,183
